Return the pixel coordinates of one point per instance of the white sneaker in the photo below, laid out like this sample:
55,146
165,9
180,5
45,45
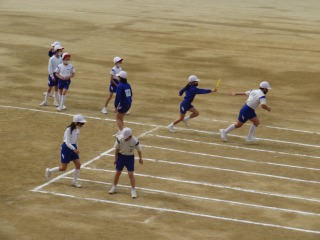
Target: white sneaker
223,135
104,110
113,190
117,135
44,103
252,139
55,104
47,173
64,107
134,193
171,128
186,122
59,109
76,184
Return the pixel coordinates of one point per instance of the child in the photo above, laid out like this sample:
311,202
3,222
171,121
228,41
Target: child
123,99
124,156
64,72
114,81
69,150
191,91
247,112
51,52
54,61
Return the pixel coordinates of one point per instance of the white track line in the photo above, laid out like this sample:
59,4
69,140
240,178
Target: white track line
229,170
214,185
182,212
237,147
205,198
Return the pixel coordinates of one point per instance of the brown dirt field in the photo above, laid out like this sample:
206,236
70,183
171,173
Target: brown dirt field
192,185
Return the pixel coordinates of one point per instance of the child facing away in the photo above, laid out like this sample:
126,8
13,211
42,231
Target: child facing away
124,157
69,150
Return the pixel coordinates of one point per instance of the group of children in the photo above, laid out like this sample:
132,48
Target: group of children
60,74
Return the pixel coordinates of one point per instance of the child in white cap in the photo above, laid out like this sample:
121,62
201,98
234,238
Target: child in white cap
114,81
191,91
124,157
247,112
69,150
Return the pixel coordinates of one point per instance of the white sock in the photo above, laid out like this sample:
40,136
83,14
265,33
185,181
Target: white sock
230,128
171,125
76,175
63,99
56,96
187,118
46,97
53,170
251,131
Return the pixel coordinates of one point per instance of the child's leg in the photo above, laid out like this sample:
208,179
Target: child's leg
116,177
49,171
119,120
182,115
132,179
63,98
56,97
255,122
108,99
195,112
77,165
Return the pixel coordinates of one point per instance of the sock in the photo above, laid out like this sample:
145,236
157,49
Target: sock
63,99
56,97
59,97
171,125
53,170
251,131
187,118
230,128
46,97
76,175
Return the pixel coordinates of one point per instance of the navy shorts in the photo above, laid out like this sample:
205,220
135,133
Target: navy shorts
112,87
68,155
52,83
124,160
123,108
246,113
184,107
64,84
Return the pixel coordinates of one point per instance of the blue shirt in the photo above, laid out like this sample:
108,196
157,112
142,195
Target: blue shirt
124,95
192,92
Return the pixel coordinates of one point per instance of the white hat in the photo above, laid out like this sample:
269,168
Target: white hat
193,78
66,55
122,74
55,44
265,84
125,133
79,118
117,59
57,47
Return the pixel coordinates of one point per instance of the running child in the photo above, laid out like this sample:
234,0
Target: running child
65,71
247,112
191,91
69,150
123,100
54,61
114,81
124,157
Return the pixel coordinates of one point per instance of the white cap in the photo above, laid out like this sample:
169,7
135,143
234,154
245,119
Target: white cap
265,84
66,55
125,133
55,44
117,59
79,118
122,74
57,47
193,78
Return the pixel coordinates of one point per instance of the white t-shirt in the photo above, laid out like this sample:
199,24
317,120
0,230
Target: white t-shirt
70,139
115,70
53,64
65,70
255,98
127,147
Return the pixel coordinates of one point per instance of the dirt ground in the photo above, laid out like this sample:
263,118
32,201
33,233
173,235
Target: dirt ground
191,185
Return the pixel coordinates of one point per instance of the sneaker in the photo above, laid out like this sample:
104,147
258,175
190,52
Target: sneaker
76,184
44,103
47,173
113,190
252,139
186,122
171,128
104,110
117,135
64,107
223,135
134,193
59,109
55,104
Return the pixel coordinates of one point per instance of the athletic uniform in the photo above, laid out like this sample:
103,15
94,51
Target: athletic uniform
115,70
185,105
125,157
65,71
123,98
255,98
52,66
70,143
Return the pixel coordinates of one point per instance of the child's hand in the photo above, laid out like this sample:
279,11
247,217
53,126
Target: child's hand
215,90
76,151
141,161
232,94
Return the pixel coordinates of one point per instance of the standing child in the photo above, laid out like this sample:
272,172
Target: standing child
191,91
54,61
70,150
124,156
123,99
247,112
51,51
64,72
114,81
